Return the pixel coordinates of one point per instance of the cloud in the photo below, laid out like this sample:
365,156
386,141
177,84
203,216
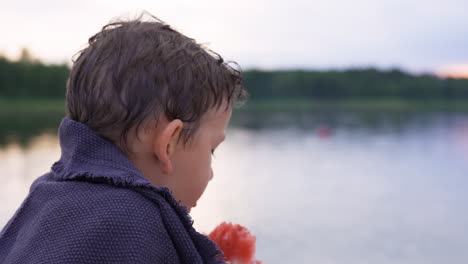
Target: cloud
418,35
454,71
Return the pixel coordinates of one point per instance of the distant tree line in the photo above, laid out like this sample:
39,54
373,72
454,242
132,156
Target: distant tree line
29,78
352,83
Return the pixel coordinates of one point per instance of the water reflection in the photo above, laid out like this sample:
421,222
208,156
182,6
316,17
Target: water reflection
361,197
381,188
20,127
19,166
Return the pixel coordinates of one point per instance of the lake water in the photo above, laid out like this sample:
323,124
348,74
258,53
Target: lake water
314,187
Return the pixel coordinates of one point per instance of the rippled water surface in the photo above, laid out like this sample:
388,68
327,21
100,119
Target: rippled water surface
321,187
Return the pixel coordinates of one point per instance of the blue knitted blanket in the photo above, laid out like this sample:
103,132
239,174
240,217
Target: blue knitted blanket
94,206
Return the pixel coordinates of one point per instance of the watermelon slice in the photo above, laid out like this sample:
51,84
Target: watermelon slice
237,243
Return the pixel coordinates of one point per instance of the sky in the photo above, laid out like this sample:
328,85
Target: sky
417,36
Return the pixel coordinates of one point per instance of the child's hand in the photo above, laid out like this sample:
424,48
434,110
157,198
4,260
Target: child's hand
236,242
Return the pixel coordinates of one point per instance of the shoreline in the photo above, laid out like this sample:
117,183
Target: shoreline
358,104
274,105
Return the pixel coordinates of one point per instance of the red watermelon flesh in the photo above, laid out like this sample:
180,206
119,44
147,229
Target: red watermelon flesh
236,241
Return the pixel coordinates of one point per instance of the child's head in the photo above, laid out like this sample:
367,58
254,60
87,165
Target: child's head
159,96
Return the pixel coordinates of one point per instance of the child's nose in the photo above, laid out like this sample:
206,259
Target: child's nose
212,174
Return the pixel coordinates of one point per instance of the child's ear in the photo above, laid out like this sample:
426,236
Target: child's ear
166,143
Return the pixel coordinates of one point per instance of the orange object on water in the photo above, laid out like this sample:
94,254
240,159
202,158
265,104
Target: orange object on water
236,241
324,132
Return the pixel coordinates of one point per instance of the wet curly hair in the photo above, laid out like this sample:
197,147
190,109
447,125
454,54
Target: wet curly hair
142,68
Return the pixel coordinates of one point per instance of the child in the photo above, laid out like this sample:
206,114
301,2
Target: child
146,108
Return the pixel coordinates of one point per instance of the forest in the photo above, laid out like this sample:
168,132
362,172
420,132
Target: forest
31,79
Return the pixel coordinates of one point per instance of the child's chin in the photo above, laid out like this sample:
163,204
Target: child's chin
190,207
